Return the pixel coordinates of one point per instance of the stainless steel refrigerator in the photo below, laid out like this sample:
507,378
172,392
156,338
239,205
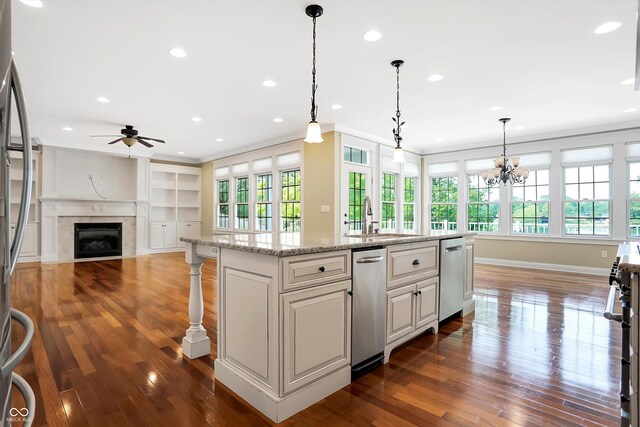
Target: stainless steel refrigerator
13,122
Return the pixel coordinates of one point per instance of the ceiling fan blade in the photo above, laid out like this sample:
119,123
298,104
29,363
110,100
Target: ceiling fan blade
100,136
117,140
145,143
151,139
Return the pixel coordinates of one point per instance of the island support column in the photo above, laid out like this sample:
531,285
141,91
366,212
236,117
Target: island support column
196,343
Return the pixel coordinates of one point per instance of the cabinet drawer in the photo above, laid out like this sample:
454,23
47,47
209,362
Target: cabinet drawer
406,263
314,269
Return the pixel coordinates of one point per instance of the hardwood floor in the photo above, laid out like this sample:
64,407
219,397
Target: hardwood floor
107,353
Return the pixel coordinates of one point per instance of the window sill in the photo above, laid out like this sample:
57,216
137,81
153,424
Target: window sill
552,239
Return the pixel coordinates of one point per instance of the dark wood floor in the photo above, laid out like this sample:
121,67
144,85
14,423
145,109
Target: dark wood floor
107,353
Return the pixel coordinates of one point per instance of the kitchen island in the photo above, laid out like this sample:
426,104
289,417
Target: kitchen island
285,310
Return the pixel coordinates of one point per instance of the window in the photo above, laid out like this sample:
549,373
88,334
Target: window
530,204
290,206
634,199
264,213
242,203
388,201
357,193
587,204
223,203
444,207
483,206
409,205
355,155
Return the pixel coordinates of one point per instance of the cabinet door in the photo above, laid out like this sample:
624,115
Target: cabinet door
183,231
400,312
29,241
468,276
156,240
170,235
317,333
426,302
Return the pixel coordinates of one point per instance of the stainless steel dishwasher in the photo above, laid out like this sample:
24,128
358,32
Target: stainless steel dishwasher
369,272
452,269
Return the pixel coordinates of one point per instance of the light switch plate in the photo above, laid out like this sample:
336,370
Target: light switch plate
325,208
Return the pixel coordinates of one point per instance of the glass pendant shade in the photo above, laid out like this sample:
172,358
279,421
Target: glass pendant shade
398,155
314,134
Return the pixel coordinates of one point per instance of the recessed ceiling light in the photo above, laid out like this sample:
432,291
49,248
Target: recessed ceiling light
630,110
102,99
628,81
495,108
372,36
32,3
196,119
519,127
177,52
180,152
336,107
269,83
439,139
435,77
67,128
278,120
219,139
608,27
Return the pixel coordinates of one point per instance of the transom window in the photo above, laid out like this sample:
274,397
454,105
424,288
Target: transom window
587,202
223,203
290,205
264,206
530,204
444,205
634,199
355,155
483,206
409,205
388,201
242,203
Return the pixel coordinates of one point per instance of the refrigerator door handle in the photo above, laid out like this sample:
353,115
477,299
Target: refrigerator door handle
29,398
27,172
19,354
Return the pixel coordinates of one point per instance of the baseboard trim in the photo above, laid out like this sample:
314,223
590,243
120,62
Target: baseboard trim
544,266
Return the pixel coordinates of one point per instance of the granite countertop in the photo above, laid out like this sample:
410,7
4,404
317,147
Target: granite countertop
288,244
629,257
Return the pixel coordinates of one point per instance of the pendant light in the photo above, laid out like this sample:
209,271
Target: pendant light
314,134
506,169
398,152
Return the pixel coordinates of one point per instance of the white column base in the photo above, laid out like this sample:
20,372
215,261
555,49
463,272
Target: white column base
196,344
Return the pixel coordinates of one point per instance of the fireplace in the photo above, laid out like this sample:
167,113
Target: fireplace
97,239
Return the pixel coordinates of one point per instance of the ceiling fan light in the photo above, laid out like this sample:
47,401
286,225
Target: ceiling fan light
398,155
129,141
314,134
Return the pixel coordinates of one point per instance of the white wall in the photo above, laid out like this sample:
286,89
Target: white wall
66,175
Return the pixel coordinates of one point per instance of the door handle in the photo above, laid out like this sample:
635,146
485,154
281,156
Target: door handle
453,248
370,260
608,310
21,351
416,262
27,172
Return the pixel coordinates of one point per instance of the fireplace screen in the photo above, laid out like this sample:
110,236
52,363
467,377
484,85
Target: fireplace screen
98,240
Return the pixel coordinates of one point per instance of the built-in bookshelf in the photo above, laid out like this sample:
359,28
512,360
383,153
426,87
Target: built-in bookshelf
175,205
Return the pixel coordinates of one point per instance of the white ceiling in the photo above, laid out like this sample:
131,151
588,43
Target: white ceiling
540,60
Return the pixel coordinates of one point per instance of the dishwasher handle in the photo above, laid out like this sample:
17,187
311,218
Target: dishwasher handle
611,300
453,248
370,260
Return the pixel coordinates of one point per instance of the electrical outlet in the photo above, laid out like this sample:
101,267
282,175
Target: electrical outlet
604,254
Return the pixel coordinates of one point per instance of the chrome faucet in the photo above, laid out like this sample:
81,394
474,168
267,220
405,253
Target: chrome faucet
366,209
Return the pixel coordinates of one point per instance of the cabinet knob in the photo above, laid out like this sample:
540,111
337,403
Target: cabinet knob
416,262
415,293
321,269
350,293
419,292
346,223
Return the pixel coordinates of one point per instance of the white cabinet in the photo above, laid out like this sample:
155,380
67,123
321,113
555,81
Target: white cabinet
174,199
30,250
163,235
410,262
468,298
30,247
411,308
187,229
317,329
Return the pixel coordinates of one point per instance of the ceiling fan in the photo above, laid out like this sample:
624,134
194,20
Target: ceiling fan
130,137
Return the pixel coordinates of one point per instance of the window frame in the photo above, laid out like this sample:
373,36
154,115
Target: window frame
536,202
630,199
564,200
237,204
394,202
282,201
416,180
468,202
218,204
268,203
454,204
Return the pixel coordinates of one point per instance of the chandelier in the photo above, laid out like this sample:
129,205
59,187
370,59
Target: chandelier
505,169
